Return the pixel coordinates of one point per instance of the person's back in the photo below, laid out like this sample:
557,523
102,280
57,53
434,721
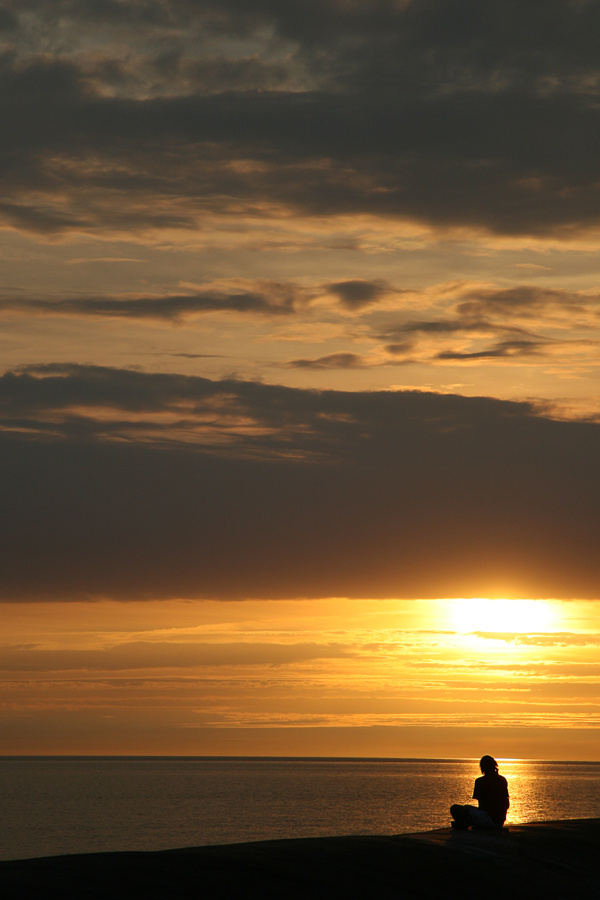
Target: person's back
491,792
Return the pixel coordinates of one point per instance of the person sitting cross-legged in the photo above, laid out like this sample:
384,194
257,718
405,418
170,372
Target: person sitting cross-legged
491,792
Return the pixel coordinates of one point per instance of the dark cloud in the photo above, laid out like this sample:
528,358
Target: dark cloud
509,349
332,361
8,20
131,485
173,307
400,348
163,149
524,300
446,326
357,293
217,75
354,360
165,654
196,355
447,112
442,327
536,40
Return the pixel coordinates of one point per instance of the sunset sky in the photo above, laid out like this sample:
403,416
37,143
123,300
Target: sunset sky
300,377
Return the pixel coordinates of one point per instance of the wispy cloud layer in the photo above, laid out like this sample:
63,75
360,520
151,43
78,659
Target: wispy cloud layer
375,320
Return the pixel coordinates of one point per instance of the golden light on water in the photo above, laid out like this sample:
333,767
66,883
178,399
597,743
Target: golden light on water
499,615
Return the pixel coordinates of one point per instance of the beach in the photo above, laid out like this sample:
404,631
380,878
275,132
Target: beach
549,859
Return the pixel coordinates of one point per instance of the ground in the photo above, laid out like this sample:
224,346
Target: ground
549,860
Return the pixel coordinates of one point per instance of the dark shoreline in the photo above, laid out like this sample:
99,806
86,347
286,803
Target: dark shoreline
547,859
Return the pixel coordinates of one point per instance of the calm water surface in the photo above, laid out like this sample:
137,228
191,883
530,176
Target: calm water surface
54,805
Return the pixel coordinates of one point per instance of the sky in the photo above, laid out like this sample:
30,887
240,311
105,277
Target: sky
299,377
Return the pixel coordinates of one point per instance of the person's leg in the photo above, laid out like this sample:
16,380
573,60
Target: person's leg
479,818
459,815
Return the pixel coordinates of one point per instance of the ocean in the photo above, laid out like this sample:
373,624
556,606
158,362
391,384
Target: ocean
58,805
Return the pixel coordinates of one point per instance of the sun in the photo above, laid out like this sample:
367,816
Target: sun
483,614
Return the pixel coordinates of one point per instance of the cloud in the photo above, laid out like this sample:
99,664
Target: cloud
127,484
509,348
332,361
165,654
263,297
402,348
524,323
524,300
8,20
581,692
552,639
160,114
171,307
358,293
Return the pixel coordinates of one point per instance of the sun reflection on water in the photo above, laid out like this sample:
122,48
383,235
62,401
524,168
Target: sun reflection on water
546,791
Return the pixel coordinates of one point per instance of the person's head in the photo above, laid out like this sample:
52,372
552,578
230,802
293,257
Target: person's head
488,765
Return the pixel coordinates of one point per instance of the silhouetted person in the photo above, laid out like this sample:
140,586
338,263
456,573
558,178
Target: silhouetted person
491,792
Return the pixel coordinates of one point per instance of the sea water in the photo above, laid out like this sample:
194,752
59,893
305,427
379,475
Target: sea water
57,805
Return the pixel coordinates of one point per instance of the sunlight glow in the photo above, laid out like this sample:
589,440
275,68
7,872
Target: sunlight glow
482,614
